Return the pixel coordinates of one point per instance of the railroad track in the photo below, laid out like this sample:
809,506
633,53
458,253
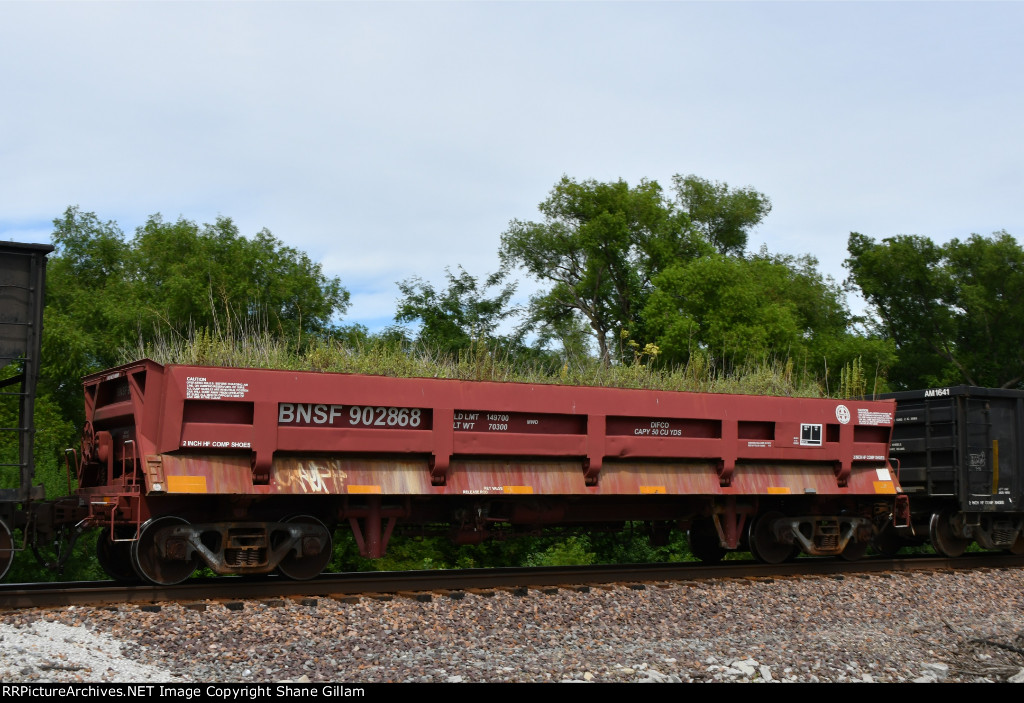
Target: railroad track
455,582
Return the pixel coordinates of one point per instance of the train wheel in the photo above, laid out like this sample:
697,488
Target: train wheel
115,558
854,550
763,543
704,543
945,542
316,552
6,549
887,542
1017,548
153,566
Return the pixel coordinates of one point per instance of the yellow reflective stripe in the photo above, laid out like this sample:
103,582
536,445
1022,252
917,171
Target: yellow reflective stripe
186,484
517,489
884,487
364,489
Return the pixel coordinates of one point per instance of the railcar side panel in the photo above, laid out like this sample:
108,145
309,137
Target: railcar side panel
715,443
186,460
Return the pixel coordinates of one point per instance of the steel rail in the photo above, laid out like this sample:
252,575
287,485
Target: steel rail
18,596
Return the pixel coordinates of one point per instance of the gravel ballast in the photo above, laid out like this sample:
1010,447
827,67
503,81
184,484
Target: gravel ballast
959,626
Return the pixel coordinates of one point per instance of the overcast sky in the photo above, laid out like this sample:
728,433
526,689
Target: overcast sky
392,139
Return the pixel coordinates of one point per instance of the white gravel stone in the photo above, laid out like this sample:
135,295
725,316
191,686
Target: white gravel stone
937,669
50,651
747,667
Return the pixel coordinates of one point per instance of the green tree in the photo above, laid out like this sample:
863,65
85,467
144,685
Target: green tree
601,245
88,304
598,246
987,276
724,216
560,335
204,276
106,292
451,320
953,311
733,310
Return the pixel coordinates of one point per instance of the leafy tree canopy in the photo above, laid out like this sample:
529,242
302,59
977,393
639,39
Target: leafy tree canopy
953,311
191,274
724,216
599,245
453,319
105,291
733,310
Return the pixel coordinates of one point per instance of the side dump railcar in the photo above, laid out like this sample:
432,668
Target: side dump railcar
961,461
250,470
22,285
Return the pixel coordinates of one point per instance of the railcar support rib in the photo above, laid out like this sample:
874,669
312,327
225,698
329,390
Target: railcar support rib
369,528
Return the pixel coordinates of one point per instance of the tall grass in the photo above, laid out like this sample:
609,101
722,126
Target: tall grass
253,347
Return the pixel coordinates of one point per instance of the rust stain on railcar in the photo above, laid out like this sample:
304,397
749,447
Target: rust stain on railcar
638,478
797,479
215,474
872,479
494,476
295,475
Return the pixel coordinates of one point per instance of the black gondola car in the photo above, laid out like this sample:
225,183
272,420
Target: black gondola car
959,457
22,285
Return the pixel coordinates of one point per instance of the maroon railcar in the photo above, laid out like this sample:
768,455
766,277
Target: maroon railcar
251,470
